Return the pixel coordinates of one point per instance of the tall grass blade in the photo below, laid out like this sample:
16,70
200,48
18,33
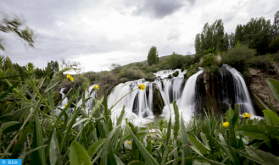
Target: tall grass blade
274,87
147,157
39,135
186,149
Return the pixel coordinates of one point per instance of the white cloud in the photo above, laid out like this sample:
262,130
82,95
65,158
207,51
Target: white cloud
99,33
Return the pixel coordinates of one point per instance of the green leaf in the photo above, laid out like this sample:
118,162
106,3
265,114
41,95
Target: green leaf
147,157
185,142
262,156
119,120
228,114
204,140
9,90
53,149
95,147
235,117
176,120
260,101
227,149
10,127
22,138
136,162
106,112
111,158
274,86
164,159
259,132
118,161
78,155
197,144
107,143
271,117
39,135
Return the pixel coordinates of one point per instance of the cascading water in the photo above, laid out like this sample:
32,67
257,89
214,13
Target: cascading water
187,102
138,105
63,104
242,96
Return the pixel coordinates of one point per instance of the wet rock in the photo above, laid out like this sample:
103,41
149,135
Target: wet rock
158,103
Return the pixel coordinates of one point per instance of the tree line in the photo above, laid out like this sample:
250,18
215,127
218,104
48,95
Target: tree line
258,34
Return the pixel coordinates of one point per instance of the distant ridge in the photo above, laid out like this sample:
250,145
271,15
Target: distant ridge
162,58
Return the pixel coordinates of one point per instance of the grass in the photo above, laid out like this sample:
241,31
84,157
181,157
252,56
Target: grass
31,131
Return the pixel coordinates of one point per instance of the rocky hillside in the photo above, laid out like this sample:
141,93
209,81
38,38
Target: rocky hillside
258,85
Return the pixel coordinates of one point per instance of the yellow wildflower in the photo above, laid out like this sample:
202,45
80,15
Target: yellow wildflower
69,77
66,105
141,86
246,115
160,143
7,103
96,87
226,124
151,141
150,135
129,142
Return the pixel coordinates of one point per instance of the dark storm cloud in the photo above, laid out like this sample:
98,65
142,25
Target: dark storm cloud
158,8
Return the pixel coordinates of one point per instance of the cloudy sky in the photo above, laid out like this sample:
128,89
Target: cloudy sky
97,33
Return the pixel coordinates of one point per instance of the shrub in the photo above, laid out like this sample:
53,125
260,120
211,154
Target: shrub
175,74
174,61
237,56
92,76
134,73
209,59
170,76
208,51
153,68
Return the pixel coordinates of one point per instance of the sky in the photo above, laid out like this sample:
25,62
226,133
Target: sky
98,33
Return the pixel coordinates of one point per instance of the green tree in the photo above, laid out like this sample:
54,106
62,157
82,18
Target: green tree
276,24
18,27
53,67
275,44
257,34
198,49
232,40
152,57
212,37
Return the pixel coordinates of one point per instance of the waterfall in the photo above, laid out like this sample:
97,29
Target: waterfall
187,104
138,103
242,96
62,105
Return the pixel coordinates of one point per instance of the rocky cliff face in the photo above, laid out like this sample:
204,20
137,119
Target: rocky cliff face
258,85
216,91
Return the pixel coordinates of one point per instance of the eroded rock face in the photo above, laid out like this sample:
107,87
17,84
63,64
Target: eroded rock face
158,103
206,93
259,86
